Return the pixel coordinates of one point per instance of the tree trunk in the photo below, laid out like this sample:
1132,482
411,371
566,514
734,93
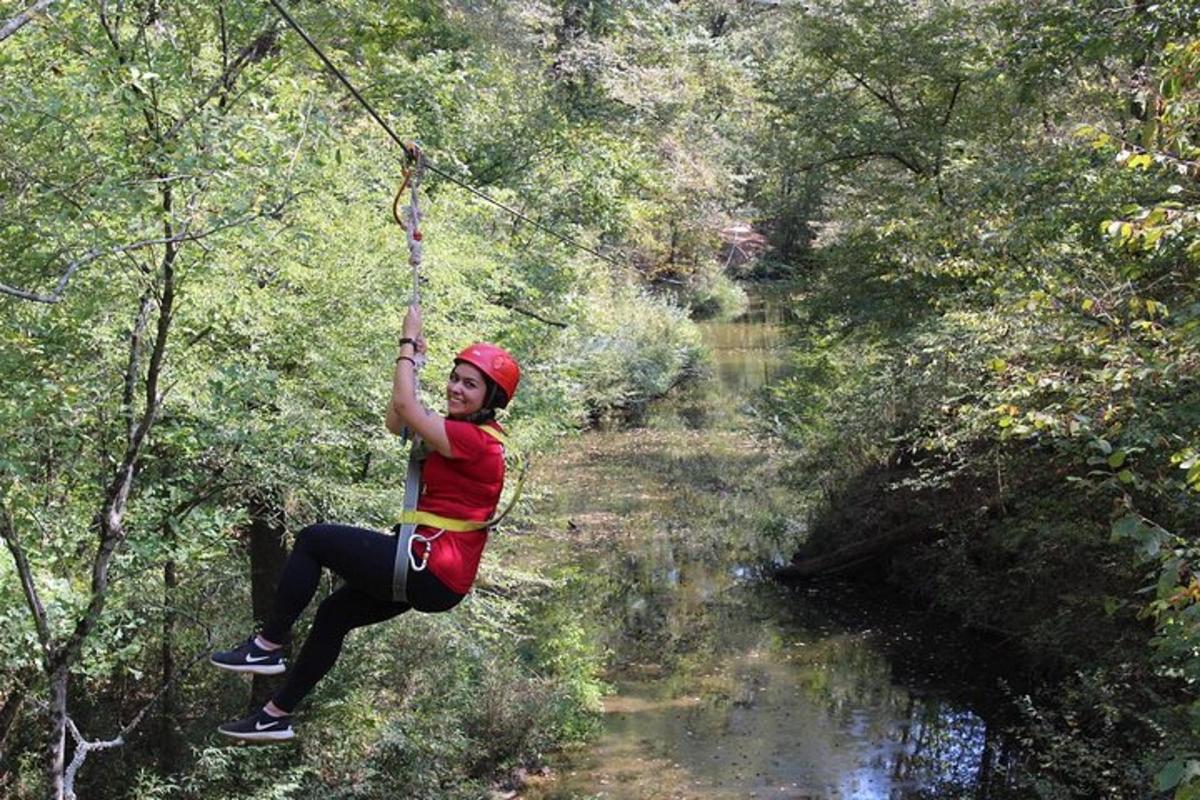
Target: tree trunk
267,557
983,779
168,742
59,679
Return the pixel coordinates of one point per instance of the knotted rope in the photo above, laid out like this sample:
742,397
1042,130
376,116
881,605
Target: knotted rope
409,219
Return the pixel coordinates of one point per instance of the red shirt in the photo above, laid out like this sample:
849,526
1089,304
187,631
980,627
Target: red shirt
466,486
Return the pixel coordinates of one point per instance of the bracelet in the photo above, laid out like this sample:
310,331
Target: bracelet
405,340
409,359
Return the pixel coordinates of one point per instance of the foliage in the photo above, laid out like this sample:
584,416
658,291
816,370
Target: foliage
997,336
217,213
988,214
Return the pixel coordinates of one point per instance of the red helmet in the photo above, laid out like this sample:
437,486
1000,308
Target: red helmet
495,362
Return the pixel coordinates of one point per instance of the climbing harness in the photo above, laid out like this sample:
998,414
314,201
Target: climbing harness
408,217
410,517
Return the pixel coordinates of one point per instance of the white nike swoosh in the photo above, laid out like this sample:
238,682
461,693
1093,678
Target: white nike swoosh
255,660
258,726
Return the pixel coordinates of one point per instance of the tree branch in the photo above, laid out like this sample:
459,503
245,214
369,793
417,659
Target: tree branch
862,156
110,519
110,30
886,99
133,367
28,587
16,23
251,53
958,84
96,253
503,303
83,747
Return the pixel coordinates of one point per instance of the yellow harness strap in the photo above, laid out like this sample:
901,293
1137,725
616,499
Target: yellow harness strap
444,523
495,434
448,523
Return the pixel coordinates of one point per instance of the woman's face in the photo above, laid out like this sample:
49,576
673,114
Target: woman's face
465,391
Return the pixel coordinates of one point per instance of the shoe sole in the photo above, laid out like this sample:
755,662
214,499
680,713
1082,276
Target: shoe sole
266,669
265,736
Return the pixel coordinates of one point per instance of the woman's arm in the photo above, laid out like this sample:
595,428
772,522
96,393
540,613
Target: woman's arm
406,408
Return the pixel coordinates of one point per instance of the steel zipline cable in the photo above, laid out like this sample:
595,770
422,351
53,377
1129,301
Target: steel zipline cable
405,147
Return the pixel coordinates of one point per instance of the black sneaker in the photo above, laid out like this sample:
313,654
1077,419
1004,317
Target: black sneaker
259,727
249,657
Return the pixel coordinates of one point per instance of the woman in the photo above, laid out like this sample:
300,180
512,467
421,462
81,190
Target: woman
462,477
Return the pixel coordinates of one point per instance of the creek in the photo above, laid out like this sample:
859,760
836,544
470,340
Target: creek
724,683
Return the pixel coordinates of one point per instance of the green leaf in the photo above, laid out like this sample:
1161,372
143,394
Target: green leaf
1170,775
1117,458
1168,579
1179,772
1127,527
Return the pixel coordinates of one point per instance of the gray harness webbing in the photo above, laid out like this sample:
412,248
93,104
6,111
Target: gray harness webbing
412,490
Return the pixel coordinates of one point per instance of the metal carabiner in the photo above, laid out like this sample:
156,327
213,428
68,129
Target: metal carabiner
412,178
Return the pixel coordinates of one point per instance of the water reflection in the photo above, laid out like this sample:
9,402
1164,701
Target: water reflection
729,686
747,352
719,698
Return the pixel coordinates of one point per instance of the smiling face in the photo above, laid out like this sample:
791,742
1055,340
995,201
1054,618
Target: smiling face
465,391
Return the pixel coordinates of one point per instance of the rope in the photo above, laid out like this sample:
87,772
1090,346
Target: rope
412,231
432,168
409,218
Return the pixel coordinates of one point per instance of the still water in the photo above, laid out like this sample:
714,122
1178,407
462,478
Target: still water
726,684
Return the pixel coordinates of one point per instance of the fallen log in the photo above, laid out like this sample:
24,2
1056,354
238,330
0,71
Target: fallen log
858,553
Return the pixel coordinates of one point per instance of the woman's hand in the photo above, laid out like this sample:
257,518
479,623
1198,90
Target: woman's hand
421,345
412,322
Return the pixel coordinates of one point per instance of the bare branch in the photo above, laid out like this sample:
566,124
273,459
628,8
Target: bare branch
110,523
110,29
305,114
864,155
958,84
133,367
882,97
96,253
83,747
16,23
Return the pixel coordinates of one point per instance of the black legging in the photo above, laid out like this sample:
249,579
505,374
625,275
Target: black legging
364,559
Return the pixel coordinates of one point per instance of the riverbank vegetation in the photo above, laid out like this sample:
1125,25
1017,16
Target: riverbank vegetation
995,388
985,213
